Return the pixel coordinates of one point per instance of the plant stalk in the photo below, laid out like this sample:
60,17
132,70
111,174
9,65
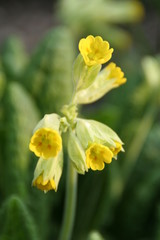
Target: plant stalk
70,203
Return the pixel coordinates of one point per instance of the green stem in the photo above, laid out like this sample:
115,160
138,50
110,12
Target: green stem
70,203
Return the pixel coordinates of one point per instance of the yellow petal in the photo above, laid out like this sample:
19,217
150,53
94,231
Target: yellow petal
46,143
94,50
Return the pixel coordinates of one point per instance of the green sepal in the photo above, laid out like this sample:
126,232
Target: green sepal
101,85
49,121
50,168
79,65
76,153
84,75
89,131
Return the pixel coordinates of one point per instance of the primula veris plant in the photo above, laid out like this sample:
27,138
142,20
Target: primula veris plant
91,144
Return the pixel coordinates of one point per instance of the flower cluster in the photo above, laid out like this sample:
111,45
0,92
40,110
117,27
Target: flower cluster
91,144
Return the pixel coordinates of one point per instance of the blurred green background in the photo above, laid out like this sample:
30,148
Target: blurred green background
38,45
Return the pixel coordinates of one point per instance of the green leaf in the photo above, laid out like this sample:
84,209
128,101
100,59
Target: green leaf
16,221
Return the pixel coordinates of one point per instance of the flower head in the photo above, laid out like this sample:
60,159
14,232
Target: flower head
94,50
115,73
97,155
44,185
46,143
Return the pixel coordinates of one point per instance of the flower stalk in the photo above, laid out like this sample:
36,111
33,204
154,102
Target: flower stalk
70,203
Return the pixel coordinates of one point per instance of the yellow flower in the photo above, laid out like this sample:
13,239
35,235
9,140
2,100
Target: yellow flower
115,72
117,149
94,50
44,185
46,143
97,155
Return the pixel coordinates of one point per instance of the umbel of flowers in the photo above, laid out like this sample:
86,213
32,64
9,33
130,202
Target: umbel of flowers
91,144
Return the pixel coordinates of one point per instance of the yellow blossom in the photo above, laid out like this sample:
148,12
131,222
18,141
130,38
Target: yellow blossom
94,50
117,149
46,143
44,185
97,155
116,72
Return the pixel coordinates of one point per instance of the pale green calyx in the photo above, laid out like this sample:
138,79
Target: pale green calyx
51,121
83,75
110,77
76,153
89,131
48,171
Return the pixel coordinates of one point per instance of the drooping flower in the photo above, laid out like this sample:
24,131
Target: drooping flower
46,143
97,155
94,50
115,73
44,185
47,174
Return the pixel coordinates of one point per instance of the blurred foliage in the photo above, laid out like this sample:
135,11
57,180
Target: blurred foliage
122,201
23,227
101,17
49,70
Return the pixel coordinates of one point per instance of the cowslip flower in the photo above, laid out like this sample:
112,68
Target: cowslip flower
115,73
97,155
48,173
44,185
46,143
92,145
94,50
